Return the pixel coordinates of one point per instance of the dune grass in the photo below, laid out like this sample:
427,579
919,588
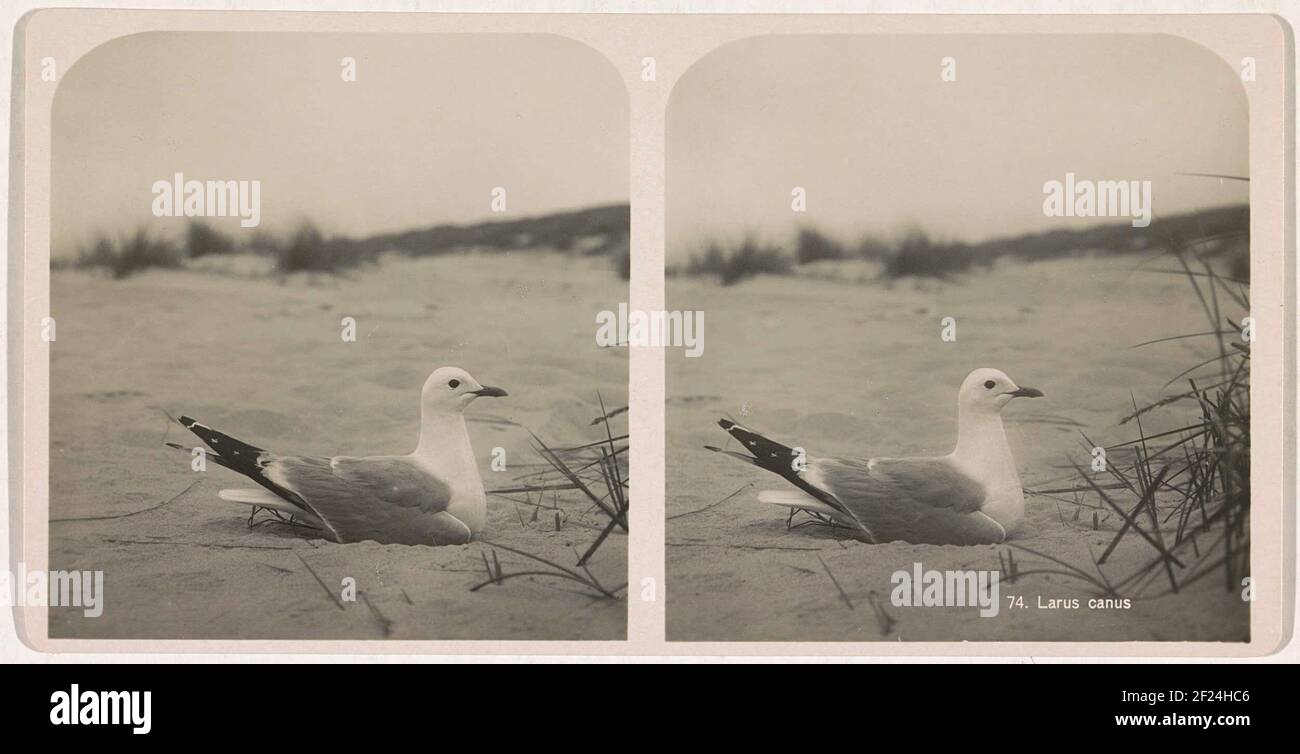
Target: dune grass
592,474
309,250
203,240
747,260
812,246
131,254
915,254
1184,493
589,232
622,256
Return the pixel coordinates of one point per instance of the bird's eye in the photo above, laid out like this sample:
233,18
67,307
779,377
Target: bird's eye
453,384
989,385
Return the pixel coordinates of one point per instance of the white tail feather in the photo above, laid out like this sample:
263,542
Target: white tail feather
265,499
797,499
259,496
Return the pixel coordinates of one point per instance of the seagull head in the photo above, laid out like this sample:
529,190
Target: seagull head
449,390
988,390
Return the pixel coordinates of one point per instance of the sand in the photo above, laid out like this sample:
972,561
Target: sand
264,361
844,368
838,367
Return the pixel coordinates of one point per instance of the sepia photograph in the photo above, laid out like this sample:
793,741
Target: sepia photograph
978,362
922,337
321,353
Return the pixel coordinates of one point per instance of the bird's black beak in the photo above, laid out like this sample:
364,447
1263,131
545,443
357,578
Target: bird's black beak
490,392
1025,392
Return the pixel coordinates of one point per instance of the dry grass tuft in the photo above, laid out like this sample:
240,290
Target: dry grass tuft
1185,493
592,474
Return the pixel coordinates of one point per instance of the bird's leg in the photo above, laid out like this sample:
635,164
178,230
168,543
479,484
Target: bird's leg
814,519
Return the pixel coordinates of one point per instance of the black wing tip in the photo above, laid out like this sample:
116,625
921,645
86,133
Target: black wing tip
187,421
176,445
714,448
726,424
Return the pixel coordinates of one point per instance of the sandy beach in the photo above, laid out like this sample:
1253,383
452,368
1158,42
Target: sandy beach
263,359
846,368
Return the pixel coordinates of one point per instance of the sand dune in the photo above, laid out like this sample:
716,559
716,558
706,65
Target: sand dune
264,361
849,369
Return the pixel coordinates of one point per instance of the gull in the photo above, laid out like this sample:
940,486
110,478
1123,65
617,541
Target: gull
430,496
970,496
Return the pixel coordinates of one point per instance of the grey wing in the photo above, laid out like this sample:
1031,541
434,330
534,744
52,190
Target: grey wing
387,500
394,479
917,500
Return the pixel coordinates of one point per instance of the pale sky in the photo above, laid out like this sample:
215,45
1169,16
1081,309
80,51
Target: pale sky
432,124
866,127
